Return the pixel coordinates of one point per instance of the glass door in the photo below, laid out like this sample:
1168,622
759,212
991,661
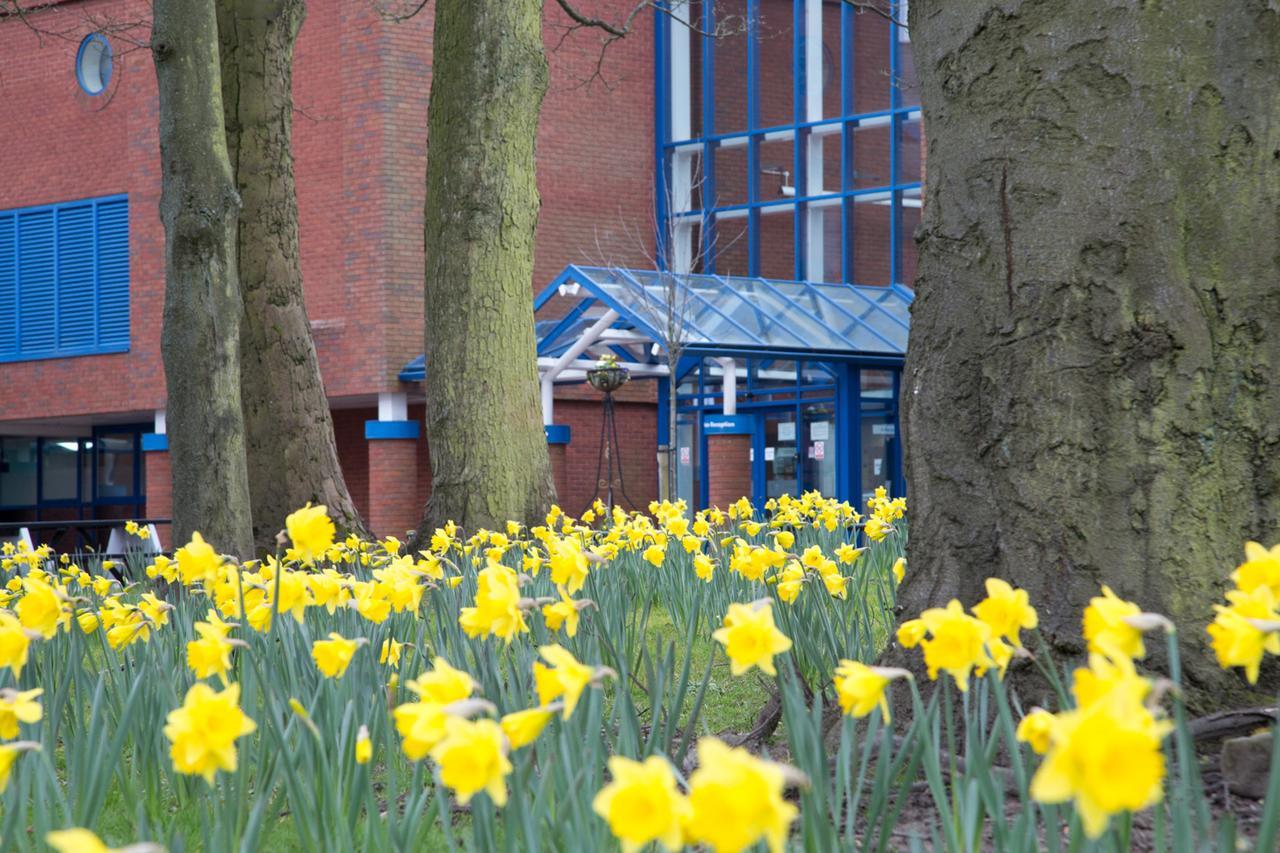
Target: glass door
776,467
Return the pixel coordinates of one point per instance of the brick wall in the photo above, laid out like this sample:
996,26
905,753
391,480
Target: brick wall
728,468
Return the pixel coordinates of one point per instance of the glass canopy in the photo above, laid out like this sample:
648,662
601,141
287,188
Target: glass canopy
587,312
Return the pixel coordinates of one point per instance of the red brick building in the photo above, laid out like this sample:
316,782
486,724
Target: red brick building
73,420
81,246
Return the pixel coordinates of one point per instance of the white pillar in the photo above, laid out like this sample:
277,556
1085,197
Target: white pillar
393,406
815,218
730,385
679,230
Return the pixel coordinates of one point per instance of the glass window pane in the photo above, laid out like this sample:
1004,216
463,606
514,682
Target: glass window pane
877,434
820,448
730,60
877,383
61,469
780,453
115,465
777,80
778,243
17,471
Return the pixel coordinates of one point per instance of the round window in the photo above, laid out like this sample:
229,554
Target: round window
93,64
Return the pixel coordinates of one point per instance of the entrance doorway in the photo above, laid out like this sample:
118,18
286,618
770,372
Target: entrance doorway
794,450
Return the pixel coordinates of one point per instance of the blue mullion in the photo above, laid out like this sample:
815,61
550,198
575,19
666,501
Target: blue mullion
805,311
799,139
853,118
783,326
846,143
568,320
753,141
650,298
708,236
895,138
791,202
661,123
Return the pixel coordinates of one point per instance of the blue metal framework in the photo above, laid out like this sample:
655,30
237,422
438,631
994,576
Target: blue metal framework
706,31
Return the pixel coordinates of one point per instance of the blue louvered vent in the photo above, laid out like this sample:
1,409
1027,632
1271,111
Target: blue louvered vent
64,279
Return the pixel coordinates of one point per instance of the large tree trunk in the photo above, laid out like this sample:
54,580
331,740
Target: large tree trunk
289,438
1091,389
489,457
200,341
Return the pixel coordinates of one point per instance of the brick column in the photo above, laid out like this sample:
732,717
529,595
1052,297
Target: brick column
393,476
159,483
728,466
558,436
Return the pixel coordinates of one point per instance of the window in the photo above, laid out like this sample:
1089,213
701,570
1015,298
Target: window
64,279
93,64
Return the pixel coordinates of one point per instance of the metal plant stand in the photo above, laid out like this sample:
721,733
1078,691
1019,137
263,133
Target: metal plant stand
607,380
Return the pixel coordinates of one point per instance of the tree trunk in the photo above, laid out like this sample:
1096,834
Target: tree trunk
1091,389
200,340
489,457
289,439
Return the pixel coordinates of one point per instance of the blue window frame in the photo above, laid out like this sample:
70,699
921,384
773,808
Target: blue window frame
64,279
788,141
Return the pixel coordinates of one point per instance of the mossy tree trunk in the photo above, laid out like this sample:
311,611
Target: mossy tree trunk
200,340
1091,392
289,441
484,428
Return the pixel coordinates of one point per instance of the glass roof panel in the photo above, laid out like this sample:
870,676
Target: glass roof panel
725,312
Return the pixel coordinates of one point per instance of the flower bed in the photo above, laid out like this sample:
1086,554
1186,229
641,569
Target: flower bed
537,689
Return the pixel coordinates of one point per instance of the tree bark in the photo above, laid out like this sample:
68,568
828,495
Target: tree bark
289,441
1091,389
489,456
200,340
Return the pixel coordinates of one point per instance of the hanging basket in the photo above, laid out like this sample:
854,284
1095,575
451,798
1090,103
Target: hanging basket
608,379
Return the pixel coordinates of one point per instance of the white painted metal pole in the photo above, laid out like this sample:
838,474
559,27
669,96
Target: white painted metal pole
589,337
730,385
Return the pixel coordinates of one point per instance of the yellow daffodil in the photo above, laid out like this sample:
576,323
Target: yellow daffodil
203,732
861,688
497,605
1007,610
82,841
899,569
563,613
442,684
472,758
1035,729
565,679
567,562
389,654
1106,762
737,800
14,643
703,567
333,656
750,638
364,746
420,726
1106,629
1245,631
910,633
955,643
1261,567
197,561
642,804
18,707
41,607
523,727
